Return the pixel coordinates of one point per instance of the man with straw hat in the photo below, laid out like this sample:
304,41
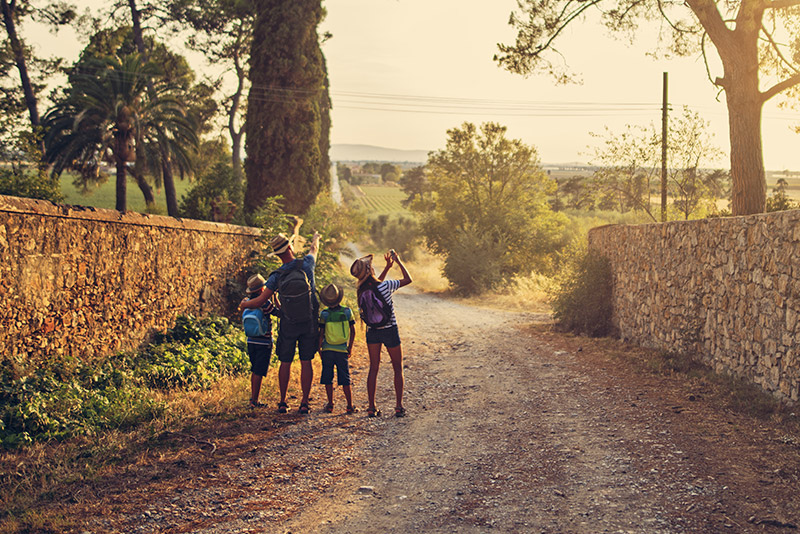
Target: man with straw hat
294,283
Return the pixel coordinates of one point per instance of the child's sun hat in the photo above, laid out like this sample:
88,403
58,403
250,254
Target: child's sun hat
255,282
331,295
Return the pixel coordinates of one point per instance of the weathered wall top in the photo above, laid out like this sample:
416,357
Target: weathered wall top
87,282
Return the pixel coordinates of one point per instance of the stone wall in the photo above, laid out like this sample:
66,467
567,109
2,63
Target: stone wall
726,290
86,282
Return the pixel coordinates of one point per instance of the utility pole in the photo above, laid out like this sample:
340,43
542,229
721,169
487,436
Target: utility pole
664,152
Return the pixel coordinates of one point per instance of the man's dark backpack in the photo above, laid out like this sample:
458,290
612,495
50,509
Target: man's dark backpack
295,296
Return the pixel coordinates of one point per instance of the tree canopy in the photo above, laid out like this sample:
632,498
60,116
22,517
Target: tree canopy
758,44
485,208
286,104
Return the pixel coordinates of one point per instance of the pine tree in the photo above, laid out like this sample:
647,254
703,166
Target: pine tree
284,112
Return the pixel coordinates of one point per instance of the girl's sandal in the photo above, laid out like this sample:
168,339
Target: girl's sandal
351,410
283,407
255,404
304,408
400,412
373,412
329,407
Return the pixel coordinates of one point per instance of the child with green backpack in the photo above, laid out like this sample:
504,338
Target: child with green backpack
336,333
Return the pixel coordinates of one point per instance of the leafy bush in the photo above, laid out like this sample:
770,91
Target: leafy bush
400,233
29,184
217,196
474,263
193,354
582,296
70,397
55,404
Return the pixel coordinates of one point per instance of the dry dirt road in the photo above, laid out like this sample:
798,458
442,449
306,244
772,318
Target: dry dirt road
511,427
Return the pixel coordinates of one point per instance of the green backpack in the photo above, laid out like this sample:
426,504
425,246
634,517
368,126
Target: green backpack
337,327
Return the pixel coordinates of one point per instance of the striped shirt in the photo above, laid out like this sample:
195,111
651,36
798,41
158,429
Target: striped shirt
387,287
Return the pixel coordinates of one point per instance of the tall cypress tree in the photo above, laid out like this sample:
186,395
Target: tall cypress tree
284,111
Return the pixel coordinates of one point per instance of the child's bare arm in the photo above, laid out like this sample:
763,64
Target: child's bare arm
352,339
258,301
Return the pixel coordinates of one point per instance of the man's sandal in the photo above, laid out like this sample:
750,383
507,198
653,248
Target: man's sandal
283,407
255,404
304,408
373,412
351,410
329,407
400,412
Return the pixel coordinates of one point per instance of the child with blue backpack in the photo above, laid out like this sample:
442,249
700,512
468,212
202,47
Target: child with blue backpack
258,329
337,331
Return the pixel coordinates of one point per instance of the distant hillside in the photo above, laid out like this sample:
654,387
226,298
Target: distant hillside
376,153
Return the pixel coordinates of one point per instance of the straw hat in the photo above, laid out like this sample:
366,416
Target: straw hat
255,282
331,295
362,267
280,243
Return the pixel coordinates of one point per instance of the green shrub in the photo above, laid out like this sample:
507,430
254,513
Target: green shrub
193,354
55,404
29,184
582,296
217,196
70,397
474,263
400,233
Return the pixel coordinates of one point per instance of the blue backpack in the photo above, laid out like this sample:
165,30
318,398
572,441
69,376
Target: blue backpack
255,323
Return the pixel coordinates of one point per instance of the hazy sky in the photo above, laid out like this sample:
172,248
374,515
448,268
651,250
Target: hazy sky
442,49
404,71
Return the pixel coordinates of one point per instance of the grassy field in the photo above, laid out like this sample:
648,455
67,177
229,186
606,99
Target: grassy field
104,195
380,200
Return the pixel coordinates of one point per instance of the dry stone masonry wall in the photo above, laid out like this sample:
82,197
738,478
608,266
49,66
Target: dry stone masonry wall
86,282
726,290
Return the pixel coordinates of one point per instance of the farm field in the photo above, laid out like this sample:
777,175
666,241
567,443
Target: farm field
380,200
104,195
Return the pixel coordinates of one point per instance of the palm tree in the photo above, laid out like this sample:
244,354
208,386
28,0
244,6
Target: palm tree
111,115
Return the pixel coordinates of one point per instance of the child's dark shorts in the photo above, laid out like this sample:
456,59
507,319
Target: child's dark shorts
259,358
303,336
385,336
331,358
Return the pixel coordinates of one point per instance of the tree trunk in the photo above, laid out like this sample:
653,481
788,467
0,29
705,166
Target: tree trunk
145,188
169,185
748,194
236,136
19,58
166,166
136,18
122,193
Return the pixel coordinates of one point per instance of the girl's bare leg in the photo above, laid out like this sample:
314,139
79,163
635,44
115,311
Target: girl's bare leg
374,350
396,355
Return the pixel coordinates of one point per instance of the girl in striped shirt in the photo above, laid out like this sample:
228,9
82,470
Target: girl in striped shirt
386,334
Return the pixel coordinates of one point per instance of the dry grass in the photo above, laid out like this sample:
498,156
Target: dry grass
426,271
528,294
34,481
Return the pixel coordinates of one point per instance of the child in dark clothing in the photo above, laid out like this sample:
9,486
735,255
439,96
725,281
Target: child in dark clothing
336,334
258,327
